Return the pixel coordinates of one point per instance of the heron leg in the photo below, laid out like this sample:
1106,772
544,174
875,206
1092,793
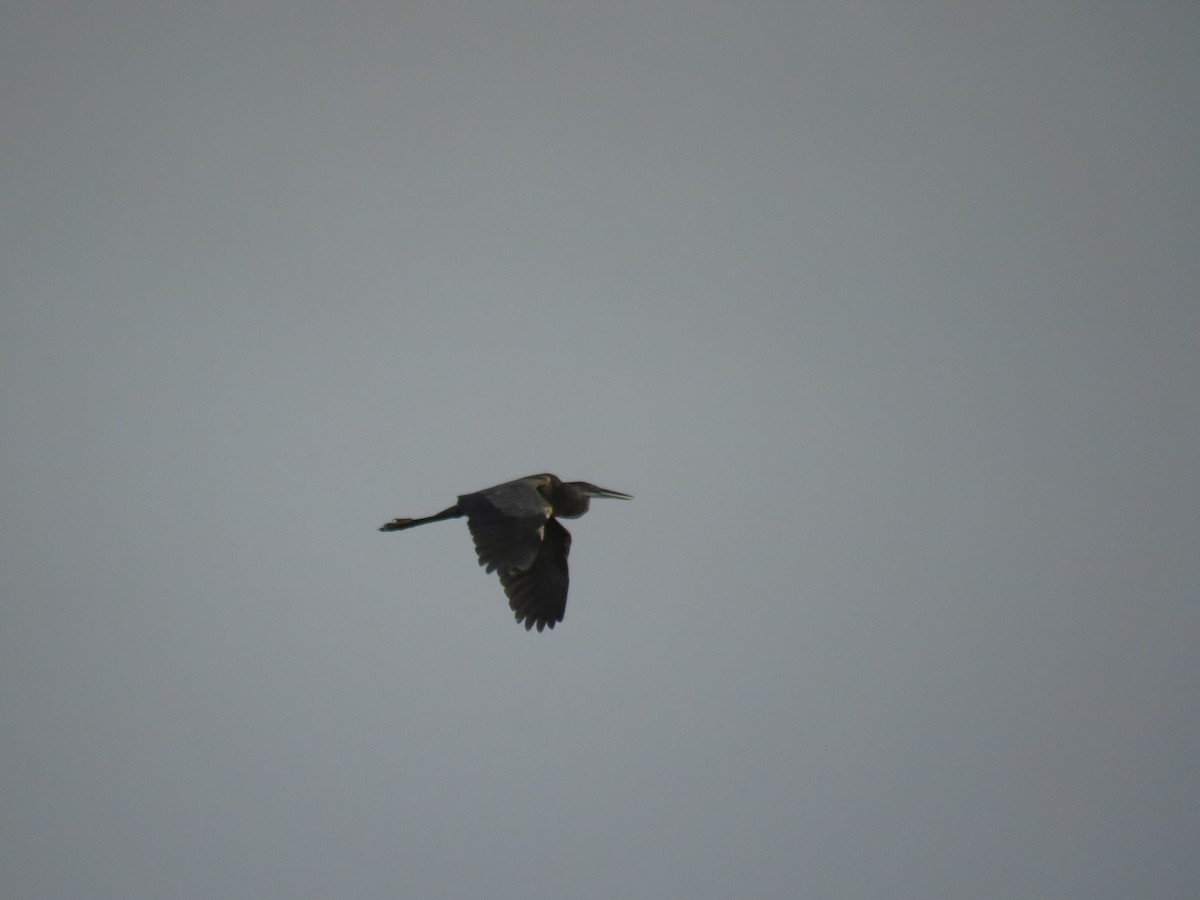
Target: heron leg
400,524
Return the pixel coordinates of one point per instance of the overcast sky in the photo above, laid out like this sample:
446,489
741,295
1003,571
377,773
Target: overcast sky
887,313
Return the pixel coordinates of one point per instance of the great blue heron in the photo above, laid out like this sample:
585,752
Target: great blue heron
517,536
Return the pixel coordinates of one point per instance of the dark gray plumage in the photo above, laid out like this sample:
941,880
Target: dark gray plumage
517,535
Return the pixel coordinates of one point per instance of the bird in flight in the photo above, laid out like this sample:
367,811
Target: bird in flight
517,535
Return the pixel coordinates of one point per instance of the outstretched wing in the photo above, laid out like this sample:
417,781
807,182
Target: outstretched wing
538,594
506,523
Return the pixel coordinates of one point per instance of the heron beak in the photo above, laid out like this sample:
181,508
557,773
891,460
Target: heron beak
605,492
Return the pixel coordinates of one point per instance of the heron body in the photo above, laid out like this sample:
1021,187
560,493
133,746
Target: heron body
517,535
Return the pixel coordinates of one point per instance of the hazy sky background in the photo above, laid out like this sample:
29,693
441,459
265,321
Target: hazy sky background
887,313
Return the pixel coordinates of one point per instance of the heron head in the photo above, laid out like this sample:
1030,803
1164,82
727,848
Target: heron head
573,498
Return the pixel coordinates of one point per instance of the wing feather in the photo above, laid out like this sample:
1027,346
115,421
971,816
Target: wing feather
538,594
516,537
506,523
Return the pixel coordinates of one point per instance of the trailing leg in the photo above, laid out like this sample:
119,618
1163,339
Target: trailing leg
400,524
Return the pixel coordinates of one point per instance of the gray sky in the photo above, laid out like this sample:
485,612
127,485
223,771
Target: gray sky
887,313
